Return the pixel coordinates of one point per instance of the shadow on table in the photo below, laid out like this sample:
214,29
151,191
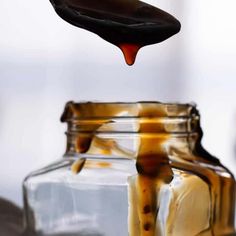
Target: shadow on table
11,219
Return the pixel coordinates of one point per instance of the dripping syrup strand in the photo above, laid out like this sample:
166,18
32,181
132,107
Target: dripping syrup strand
130,52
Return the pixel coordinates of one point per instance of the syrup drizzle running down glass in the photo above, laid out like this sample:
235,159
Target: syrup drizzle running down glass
169,156
128,24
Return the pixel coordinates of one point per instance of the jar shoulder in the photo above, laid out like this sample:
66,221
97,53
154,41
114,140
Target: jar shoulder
201,165
84,169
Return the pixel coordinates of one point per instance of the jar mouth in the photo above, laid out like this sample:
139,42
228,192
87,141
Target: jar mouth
137,117
124,110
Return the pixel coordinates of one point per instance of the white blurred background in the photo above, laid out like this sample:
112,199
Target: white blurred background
45,62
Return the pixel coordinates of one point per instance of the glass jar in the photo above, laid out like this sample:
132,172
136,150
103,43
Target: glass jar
135,169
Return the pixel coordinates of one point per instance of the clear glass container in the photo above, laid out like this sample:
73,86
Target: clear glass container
135,169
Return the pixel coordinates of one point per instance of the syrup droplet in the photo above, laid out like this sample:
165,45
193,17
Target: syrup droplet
130,52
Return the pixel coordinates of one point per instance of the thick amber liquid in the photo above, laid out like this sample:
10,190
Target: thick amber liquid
128,24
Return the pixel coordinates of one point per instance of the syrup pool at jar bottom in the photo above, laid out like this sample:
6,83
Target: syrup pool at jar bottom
135,169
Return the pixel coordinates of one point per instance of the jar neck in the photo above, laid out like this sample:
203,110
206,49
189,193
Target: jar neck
130,129
127,145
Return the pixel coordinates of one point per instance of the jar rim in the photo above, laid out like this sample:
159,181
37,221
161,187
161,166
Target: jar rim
143,109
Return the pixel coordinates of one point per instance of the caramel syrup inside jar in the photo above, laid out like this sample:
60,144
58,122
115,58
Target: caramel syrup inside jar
179,189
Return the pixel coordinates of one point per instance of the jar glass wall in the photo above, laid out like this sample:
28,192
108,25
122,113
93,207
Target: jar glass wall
131,169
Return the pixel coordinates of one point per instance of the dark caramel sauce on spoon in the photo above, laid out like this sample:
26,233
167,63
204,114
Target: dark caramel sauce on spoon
130,25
